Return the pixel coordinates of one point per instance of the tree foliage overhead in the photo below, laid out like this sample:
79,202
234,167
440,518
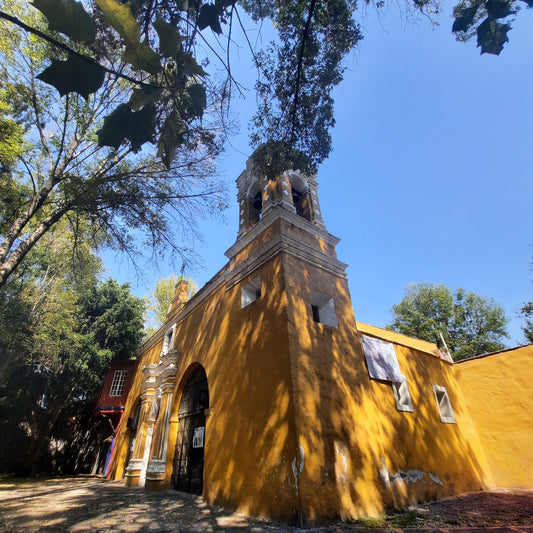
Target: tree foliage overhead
91,85
488,20
470,324
60,173
164,48
299,72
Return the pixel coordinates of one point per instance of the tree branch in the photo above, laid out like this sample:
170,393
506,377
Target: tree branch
299,69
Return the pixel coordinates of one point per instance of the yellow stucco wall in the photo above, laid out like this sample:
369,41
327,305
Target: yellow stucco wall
296,429
497,390
250,439
350,434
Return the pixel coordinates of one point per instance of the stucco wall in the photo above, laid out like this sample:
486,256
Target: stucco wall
360,454
249,439
497,390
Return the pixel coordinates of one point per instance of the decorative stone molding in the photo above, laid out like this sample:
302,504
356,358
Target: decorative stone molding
156,470
157,390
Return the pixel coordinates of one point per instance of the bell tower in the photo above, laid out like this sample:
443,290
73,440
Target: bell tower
281,215
292,191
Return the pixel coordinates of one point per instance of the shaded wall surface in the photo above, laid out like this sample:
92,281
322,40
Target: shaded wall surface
358,454
497,390
296,429
249,432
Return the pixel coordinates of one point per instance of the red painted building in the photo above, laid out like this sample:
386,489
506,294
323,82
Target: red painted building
113,396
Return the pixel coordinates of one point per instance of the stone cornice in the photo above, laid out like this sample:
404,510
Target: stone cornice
283,243
272,214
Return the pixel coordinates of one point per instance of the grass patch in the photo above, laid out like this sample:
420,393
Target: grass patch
371,522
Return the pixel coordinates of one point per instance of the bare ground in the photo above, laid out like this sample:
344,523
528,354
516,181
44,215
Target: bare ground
90,504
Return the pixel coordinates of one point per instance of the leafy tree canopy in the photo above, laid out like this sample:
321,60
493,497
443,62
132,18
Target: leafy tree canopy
53,168
159,300
59,329
470,324
131,74
527,312
113,318
165,47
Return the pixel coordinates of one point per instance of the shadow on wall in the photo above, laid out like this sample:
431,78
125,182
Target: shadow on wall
295,428
249,438
360,450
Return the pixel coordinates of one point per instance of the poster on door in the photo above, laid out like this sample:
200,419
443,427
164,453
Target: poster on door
198,438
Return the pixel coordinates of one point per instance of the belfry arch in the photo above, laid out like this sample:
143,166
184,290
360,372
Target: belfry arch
300,195
188,466
292,191
255,202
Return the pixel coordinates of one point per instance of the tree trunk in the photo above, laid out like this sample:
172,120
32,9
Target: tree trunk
43,431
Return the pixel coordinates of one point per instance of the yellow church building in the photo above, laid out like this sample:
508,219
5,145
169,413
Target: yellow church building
265,395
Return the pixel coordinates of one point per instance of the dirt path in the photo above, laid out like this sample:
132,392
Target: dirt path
89,504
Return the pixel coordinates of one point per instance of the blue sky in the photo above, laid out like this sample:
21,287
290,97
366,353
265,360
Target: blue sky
431,174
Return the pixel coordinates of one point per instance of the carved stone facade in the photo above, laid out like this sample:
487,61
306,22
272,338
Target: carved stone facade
148,459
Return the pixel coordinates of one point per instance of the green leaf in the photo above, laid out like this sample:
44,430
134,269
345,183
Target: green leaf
222,4
189,66
141,57
171,137
491,36
499,9
169,37
67,17
120,18
125,125
464,16
73,75
142,127
115,128
209,17
144,96
198,100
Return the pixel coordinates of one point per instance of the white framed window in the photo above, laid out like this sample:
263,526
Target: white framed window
323,309
444,405
402,396
251,292
117,385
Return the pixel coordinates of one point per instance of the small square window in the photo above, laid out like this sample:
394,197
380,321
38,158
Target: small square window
117,385
323,309
402,396
444,404
251,292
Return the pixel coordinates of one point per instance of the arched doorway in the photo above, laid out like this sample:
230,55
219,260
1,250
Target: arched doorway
188,471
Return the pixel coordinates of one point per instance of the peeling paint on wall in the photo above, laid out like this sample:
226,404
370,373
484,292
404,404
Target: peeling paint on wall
298,466
384,472
341,462
436,479
409,476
